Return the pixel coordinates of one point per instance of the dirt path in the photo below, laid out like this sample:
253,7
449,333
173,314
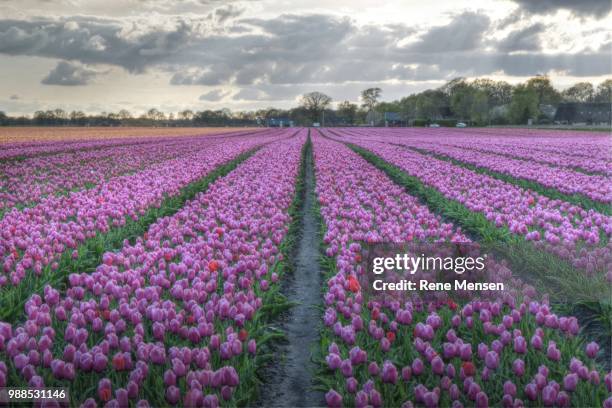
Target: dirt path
290,381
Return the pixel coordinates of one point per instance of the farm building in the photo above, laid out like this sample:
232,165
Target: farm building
279,122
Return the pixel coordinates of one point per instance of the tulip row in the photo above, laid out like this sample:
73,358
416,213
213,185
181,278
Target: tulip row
568,231
83,253
174,318
594,187
20,150
569,144
28,181
418,352
34,238
579,163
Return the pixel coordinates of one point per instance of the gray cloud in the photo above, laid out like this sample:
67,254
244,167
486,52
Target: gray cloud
464,32
91,41
14,97
214,95
276,58
583,8
526,39
68,74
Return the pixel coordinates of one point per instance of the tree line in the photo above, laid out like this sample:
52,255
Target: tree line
480,101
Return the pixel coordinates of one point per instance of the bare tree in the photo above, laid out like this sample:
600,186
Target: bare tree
370,97
579,92
125,115
315,103
154,114
186,114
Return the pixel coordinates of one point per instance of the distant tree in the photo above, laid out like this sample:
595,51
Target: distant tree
544,90
452,86
579,92
3,119
44,117
60,115
408,107
369,98
124,115
315,103
479,107
271,113
604,91
186,114
212,118
300,115
347,111
154,114
429,103
461,99
498,92
78,118
524,104
469,102
225,112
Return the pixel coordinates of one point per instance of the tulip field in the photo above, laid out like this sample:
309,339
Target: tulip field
153,270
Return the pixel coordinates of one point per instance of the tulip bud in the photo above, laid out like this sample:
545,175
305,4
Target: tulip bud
173,395
389,373
333,399
591,349
570,382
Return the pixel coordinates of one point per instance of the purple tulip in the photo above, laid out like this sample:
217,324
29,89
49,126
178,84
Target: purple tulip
531,391
482,351
430,399
361,399
358,356
437,365
333,361
563,399
346,368
351,385
375,398
492,360
482,401
333,399
518,367
570,381
520,345
510,388
226,393
591,349
549,396
465,352
389,373
417,366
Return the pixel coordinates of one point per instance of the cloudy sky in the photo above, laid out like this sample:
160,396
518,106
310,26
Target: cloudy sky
105,55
